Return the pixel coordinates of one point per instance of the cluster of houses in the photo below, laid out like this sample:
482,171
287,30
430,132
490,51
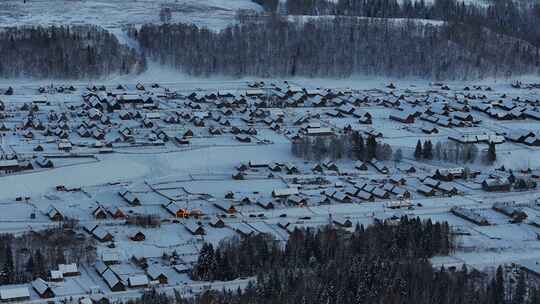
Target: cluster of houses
506,108
436,110
44,289
108,118
120,275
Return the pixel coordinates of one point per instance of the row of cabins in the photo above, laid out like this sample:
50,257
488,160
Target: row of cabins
180,209
447,122
8,166
288,168
101,212
506,110
447,114
266,203
300,97
113,100
526,137
98,232
477,138
430,187
470,215
367,192
198,229
340,221
512,210
496,184
56,213
228,98
450,174
377,165
120,276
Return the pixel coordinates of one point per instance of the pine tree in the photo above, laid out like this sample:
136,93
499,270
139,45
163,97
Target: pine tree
206,263
319,148
427,150
30,265
360,148
437,153
398,155
534,297
337,148
418,154
521,289
371,147
8,270
491,153
39,268
498,292
59,256
295,149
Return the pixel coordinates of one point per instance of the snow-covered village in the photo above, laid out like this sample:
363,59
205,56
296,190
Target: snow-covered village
270,151
143,175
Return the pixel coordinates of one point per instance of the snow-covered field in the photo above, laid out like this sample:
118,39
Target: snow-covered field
114,14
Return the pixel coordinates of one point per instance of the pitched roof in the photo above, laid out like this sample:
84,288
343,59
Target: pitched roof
110,278
40,286
14,293
154,271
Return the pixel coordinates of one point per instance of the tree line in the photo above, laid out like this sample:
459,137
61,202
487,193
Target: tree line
453,151
516,18
338,47
411,239
345,146
64,53
383,263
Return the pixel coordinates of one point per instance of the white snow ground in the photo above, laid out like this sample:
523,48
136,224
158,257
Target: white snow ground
121,167
118,13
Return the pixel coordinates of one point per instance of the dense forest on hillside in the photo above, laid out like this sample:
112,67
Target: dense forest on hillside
340,38
64,52
516,18
339,47
384,263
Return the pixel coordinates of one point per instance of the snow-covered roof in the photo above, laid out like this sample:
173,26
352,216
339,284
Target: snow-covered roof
100,232
285,191
154,271
41,286
110,256
56,275
100,267
68,268
138,280
14,293
8,163
110,278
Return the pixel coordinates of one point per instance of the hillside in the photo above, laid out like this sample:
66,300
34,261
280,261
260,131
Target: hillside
439,39
117,13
